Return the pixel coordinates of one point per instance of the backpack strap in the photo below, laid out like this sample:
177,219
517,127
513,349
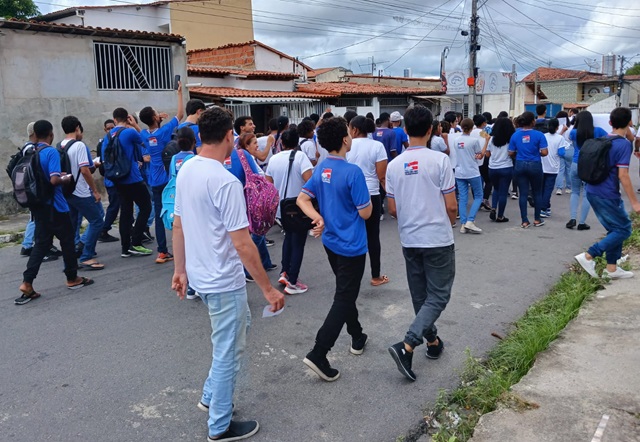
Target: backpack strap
291,158
245,164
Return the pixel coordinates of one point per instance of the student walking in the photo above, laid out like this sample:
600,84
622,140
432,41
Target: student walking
424,225
500,167
556,145
343,198
467,175
114,202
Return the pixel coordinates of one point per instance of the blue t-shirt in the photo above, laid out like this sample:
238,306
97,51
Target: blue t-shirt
132,145
180,158
527,144
619,158
155,142
598,132
341,190
401,138
50,163
196,130
388,138
233,165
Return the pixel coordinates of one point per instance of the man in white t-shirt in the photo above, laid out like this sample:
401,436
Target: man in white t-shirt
211,243
421,191
85,201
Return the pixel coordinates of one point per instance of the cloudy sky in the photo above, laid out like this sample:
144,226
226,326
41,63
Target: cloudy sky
412,34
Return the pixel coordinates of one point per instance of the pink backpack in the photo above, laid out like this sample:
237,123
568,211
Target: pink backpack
262,199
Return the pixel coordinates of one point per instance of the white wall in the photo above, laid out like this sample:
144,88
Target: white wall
269,61
244,83
362,110
140,18
495,103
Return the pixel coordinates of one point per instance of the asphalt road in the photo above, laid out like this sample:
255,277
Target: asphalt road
125,360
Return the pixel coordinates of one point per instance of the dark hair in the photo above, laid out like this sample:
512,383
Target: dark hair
574,110
332,133
584,127
384,117
42,129
290,139
620,117
214,125
501,131
370,116
527,119
70,124
417,121
450,117
349,115
487,116
466,125
282,123
541,109
186,138
305,128
109,121
446,126
553,125
146,115
479,120
315,118
434,127
120,114
363,124
244,139
273,124
377,122
194,105
327,115
241,121
503,114
562,114
459,115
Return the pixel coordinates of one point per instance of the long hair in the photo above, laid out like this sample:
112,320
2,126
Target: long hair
502,131
584,127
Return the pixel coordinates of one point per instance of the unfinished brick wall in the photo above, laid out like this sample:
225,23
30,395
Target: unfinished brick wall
231,57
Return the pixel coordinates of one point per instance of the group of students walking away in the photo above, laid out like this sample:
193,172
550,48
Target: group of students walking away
329,176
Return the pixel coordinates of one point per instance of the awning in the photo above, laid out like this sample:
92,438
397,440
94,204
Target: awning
270,100
439,98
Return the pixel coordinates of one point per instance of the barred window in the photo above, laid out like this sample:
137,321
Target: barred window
132,67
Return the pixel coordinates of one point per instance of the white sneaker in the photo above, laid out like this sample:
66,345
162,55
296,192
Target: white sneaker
471,227
296,289
618,274
589,266
194,296
567,191
622,260
559,192
381,217
463,229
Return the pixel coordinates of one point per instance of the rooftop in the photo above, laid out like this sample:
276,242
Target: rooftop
243,93
315,72
66,12
204,71
551,74
338,89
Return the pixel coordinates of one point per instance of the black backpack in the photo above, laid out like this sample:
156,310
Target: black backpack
16,157
593,159
31,187
65,166
172,147
542,126
116,165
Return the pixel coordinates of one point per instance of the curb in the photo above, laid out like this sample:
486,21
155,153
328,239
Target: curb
11,237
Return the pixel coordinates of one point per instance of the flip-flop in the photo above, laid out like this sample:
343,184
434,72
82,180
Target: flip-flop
91,266
525,225
83,283
26,297
540,224
385,279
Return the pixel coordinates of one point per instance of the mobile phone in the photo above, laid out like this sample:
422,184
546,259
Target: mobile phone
176,82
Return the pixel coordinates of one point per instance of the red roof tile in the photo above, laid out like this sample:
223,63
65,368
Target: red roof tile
377,79
222,72
88,30
244,93
315,72
550,74
338,89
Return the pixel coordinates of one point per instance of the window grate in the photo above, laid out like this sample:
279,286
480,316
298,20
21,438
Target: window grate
132,67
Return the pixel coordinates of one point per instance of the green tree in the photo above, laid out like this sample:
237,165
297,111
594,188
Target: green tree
633,70
18,9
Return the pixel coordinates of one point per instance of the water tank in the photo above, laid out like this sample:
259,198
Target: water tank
609,64
407,72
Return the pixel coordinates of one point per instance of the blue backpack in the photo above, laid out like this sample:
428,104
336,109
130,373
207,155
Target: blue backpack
116,164
169,194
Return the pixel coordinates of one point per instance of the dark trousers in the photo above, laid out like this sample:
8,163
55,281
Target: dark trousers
500,178
292,254
161,234
112,210
383,195
50,223
373,235
548,184
529,174
486,180
348,271
129,194
430,274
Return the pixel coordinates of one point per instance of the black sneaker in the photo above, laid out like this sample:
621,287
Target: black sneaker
79,249
237,431
403,360
204,407
147,237
571,224
269,242
105,237
271,267
492,215
321,367
55,251
434,351
584,226
25,251
49,258
357,345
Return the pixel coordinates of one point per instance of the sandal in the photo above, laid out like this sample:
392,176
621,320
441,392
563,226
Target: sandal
84,282
384,280
538,224
91,265
26,297
525,225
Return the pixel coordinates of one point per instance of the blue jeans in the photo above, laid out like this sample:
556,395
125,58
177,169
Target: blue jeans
501,178
90,209
293,252
112,209
83,239
529,174
463,190
261,244
548,183
161,234
614,218
430,274
577,190
29,234
564,174
230,320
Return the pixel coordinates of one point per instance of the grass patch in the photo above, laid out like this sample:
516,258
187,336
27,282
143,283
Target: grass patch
485,383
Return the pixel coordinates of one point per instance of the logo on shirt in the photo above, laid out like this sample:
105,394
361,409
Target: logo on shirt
526,139
227,163
460,144
153,141
326,175
379,133
411,168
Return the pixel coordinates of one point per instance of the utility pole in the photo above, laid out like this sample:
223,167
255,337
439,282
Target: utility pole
474,31
512,90
620,82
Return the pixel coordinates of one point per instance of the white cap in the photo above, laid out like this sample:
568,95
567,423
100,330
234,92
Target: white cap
395,116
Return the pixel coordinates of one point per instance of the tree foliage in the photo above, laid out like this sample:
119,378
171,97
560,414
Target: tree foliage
22,9
633,70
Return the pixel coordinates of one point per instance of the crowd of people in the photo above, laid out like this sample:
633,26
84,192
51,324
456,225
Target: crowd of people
341,174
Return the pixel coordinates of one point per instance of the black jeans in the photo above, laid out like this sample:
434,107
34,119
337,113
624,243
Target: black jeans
113,209
292,254
129,194
486,180
348,271
161,234
50,223
373,235
430,274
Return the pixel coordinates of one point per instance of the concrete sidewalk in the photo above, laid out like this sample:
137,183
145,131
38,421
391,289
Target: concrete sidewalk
586,386
12,227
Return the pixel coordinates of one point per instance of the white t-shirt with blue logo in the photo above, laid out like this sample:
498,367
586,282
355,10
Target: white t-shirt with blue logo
467,147
499,158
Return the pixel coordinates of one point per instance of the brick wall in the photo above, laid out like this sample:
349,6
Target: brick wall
233,57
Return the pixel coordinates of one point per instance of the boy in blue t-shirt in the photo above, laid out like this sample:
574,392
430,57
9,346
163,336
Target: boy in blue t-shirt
607,204
343,199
